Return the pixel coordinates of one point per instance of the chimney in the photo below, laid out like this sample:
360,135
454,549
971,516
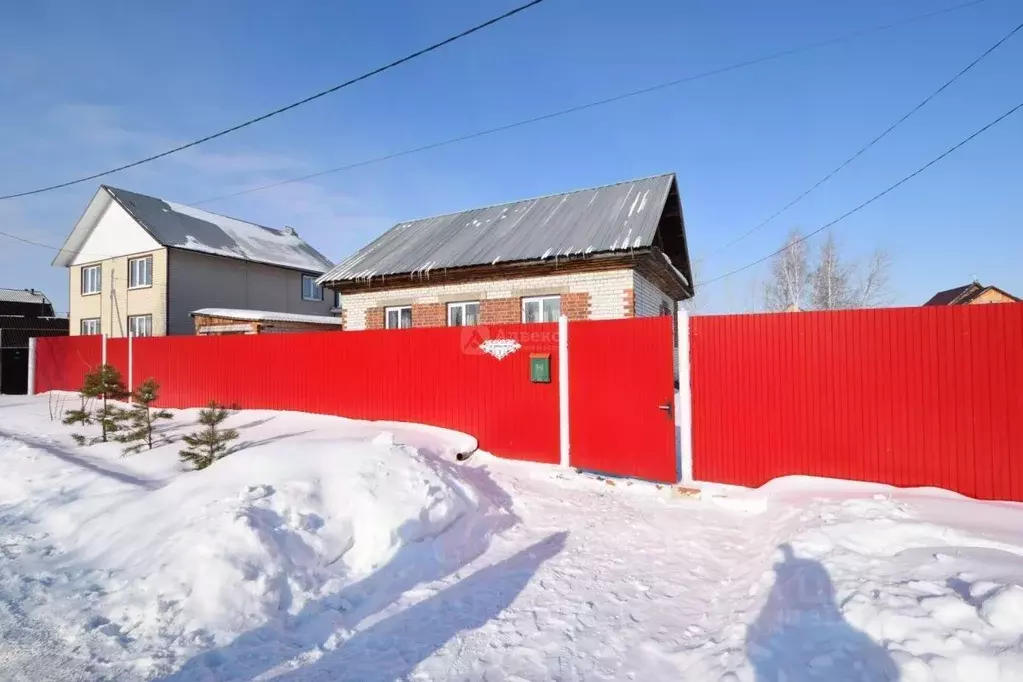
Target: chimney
289,230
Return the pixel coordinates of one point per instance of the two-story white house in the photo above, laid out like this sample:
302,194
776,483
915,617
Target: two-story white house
142,264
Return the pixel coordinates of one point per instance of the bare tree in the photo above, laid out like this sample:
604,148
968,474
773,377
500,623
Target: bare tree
786,287
830,283
874,288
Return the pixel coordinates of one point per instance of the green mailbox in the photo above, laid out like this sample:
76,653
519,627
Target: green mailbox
540,368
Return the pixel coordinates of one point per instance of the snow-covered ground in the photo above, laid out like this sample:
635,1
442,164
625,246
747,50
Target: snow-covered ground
327,549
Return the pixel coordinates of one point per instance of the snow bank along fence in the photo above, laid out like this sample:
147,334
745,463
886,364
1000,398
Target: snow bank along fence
500,383
929,396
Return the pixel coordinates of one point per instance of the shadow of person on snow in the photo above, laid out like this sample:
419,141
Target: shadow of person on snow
420,560
392,648
801,635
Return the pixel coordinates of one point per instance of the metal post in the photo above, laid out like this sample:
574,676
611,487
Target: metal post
684,398
32,366
103,351
563,389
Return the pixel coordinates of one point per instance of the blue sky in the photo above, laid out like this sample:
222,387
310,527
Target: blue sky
87,86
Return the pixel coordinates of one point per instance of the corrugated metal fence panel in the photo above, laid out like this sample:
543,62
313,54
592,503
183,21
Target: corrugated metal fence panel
433,376
621,397
906,396
62,361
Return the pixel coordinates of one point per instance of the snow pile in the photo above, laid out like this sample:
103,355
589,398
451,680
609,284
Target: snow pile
329,549
161,563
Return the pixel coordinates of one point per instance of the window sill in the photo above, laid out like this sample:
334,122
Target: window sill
141,286
312,300
92,293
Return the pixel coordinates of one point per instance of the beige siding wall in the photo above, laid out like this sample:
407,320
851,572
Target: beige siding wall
115,301
606,290
202,281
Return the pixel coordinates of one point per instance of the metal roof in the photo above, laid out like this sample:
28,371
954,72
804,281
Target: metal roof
267,316
22,296
184,227
604,219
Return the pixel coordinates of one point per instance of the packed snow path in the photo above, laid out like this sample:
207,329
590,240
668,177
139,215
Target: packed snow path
325,549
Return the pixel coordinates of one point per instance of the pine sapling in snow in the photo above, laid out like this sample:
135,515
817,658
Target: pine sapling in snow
209,444
142,417
103,383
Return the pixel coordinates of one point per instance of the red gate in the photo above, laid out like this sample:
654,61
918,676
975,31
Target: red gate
621,397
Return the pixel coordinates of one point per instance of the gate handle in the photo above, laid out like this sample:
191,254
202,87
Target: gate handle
666,407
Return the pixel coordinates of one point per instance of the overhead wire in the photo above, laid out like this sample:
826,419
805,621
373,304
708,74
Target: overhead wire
867,202
600,102
281,110
863,149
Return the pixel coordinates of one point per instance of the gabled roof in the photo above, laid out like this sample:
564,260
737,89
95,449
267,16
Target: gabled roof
184,227
616,218
964,294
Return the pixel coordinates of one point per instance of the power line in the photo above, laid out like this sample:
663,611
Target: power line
281,110
600,102
865,148
536,119
868,201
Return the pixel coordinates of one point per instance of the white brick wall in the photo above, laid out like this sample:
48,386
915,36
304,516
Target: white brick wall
606,289
648,298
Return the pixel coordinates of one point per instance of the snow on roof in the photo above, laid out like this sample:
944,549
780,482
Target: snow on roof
185,227
267,316
597,220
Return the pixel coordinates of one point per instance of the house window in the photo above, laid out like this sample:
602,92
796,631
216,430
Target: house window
140,272
398,317
311,291
541,309
140,325
464,314
90,326
92,279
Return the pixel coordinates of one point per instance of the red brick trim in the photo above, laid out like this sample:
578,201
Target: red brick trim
576,306
500,311
429,314
374,318
630,303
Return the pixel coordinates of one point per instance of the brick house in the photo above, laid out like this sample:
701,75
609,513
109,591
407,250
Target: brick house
973,293
594,254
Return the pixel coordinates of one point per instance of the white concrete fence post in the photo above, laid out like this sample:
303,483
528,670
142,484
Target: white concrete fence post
32,366
103,349
684,408
563,389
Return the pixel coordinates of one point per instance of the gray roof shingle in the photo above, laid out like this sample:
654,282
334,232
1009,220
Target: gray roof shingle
604,219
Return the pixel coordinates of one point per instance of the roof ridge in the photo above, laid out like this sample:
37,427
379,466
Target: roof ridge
194,208
536,198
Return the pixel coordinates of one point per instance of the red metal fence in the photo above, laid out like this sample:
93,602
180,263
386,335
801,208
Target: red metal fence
435,376
928,396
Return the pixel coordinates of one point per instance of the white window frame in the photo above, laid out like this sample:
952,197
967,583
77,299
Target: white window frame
136,270
461,305
397,309
133,325
317,289
88,279
539,300
90,326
